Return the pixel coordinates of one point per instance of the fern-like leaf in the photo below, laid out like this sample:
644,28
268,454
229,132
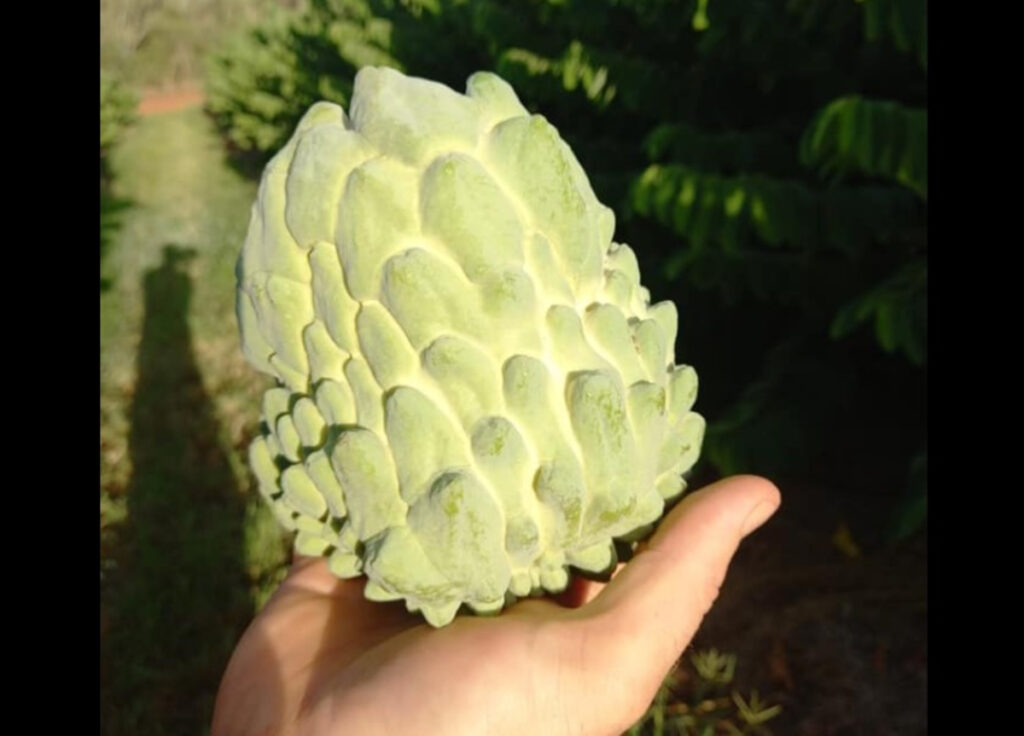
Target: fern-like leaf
899,309
730,151
903,22
117,110
874,138
706,208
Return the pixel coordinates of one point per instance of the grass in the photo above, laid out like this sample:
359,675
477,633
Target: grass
188,553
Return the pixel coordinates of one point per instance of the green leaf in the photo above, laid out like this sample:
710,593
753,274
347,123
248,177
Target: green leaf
873,138
700,16
706,209
911,512
898,307
903,22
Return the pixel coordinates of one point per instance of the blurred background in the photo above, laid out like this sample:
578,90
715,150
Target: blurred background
766,159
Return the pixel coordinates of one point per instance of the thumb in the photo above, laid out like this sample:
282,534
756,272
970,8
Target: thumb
654,605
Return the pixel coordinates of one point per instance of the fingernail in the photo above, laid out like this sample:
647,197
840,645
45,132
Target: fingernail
758,516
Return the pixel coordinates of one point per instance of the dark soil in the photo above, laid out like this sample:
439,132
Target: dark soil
839,639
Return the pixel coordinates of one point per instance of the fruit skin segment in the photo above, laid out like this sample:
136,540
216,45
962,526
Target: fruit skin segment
474,391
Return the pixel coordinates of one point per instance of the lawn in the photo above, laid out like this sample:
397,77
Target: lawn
187,552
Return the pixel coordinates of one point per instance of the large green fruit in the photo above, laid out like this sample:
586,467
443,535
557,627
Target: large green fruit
475,392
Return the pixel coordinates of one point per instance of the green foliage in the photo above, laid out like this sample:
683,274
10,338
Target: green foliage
728,212
912,511
263,79
117,110
714,667
699,700
877,139
729,151
161,42
899,309
904,23
767,159
249,96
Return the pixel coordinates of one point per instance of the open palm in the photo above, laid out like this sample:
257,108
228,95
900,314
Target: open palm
320,659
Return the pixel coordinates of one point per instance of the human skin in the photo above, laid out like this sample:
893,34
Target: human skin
321,660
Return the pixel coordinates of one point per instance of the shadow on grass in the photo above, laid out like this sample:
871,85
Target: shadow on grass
178,600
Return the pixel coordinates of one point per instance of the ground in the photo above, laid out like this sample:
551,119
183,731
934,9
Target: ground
187,553
831,628
172,99
835,633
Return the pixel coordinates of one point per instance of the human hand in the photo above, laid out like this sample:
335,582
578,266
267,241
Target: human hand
320,659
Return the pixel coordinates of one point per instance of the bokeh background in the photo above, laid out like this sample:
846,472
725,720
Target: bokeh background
766,159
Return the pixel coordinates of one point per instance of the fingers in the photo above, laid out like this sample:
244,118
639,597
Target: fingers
657,601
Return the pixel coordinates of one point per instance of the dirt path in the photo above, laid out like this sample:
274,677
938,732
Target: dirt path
177,516
158,101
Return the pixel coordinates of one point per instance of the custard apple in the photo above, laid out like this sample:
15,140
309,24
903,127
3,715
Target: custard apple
474,393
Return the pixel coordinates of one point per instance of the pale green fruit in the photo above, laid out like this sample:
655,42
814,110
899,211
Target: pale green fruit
475,394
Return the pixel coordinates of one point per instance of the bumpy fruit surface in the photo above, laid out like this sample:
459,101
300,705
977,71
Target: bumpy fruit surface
475,394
